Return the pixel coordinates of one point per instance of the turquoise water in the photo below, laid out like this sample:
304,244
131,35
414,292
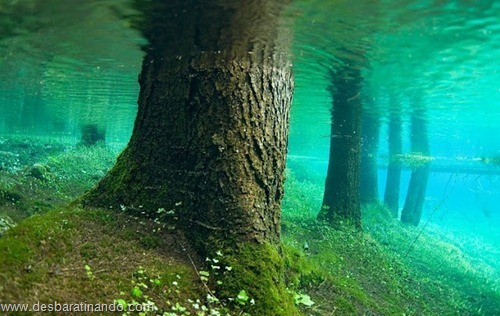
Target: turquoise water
66,64
446,52
82,60
63,63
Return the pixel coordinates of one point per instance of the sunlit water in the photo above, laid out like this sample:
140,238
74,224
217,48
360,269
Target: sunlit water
67,63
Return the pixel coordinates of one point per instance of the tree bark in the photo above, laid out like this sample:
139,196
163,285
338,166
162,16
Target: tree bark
412,210
341,203
211,132
414,203
391,194
369,148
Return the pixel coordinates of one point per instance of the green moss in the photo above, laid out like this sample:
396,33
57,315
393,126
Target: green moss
44,178
49,257
119,187
300,271
8,196
259,270
15,253
149,242
74,254
372,272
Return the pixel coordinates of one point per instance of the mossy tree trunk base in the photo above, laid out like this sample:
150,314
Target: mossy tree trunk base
210,137
259,270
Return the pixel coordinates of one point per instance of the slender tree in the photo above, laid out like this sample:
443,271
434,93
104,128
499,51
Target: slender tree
412,210
341,202
370,130
391,195
33,110
210,137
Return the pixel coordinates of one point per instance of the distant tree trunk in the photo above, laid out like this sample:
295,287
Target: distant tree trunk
92,134
33,111
412,210
341,204
210,137
369,148
391,195
34,116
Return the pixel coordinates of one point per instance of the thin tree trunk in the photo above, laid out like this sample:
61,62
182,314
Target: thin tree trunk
33,111
369,147
414,203
341,204
391,195
412,210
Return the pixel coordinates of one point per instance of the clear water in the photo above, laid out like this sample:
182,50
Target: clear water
445,51
67,63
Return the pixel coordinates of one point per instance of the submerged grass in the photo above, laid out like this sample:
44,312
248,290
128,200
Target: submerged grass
41,174
75,255
385,269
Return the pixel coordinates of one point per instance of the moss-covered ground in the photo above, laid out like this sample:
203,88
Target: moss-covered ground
38,174
74,255
388,268
67,254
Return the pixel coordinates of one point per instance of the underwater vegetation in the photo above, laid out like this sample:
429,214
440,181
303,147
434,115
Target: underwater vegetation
70,254
174,194
42,173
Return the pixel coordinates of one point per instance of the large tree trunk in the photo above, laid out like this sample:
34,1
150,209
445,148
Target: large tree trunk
341,204
412,210
369,148
210,137
391,195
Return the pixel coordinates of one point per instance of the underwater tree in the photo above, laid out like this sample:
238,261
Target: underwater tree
412,210
210,137
33,112
370,130
92,134
341,203
92,112
392,186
